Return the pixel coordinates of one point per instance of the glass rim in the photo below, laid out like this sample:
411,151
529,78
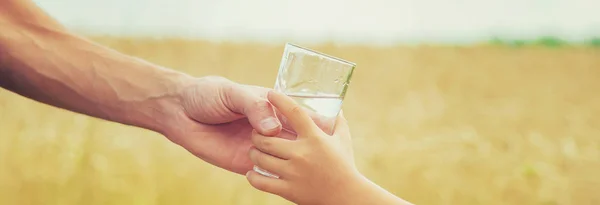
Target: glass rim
322,54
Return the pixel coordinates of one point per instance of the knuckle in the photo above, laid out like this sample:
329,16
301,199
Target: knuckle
265,144
295,109
303,157
296,155
216,78
228,88
225,92
260,104
316,140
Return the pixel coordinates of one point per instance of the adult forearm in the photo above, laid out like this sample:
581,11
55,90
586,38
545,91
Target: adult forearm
53,66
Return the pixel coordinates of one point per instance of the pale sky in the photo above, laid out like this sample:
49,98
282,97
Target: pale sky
370,21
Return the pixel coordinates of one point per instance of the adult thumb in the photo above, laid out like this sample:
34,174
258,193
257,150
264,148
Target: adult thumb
251,101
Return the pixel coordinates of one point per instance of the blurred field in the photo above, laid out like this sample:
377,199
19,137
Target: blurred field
434,125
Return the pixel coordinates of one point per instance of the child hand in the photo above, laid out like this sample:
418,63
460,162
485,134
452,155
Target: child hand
316,168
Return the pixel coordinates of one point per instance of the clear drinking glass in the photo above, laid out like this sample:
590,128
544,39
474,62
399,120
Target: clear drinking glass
316,81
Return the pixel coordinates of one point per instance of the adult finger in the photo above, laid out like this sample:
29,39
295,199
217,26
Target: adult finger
299,120
275,146
251,102
266,184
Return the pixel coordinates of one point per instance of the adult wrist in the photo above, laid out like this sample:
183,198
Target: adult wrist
168,109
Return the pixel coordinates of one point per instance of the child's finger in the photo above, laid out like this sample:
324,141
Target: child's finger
319,120
266,184
342,132
265,161
276,146
299,120
341,127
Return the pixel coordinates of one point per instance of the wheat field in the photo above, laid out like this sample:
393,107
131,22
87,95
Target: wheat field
432,124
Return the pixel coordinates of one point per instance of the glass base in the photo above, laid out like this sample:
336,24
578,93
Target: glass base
264,172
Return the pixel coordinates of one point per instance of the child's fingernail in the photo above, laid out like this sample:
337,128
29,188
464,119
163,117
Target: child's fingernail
248,174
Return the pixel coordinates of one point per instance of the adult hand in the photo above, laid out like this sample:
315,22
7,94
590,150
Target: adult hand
211,117
216,120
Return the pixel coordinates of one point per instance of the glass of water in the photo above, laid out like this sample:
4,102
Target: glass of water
316,81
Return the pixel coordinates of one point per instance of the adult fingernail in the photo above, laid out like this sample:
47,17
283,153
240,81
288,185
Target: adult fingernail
269,123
